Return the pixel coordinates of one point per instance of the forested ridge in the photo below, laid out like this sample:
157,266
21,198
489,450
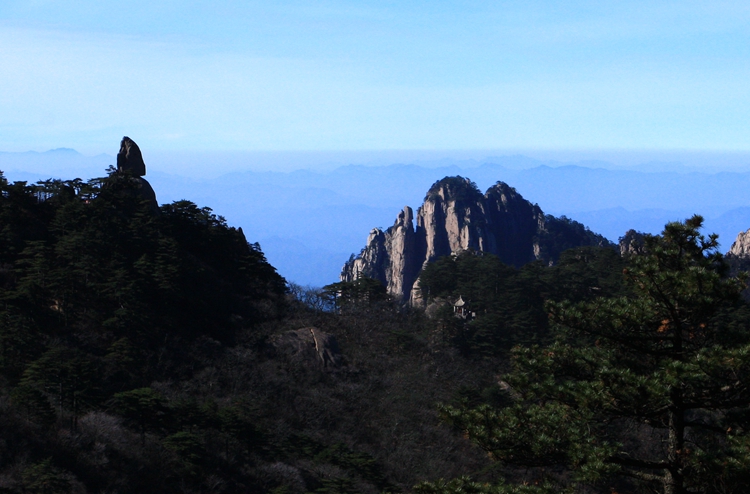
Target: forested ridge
158,351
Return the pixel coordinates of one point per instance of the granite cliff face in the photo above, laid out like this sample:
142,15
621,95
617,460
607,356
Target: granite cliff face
454,217
741,246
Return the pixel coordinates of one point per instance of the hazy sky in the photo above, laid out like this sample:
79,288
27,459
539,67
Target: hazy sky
347,75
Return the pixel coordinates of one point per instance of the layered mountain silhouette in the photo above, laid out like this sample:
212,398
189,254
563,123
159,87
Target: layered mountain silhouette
456,217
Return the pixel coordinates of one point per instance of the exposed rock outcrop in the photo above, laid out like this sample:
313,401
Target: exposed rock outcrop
632,243
455,217
308,345
738,258
741,246
392,257
130,161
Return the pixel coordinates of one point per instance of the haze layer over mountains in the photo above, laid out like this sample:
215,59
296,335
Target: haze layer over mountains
309,222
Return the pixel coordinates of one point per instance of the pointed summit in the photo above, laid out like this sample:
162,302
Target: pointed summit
129,159
456,217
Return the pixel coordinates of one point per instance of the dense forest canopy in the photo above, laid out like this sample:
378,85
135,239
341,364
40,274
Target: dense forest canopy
507,304
646,391
89,264
101,295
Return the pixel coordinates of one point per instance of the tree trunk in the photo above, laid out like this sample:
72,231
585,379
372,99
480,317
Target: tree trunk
674,481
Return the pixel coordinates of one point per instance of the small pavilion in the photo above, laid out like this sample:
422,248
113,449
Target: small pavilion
460,309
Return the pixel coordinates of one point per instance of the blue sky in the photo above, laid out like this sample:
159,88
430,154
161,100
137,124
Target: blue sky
336,75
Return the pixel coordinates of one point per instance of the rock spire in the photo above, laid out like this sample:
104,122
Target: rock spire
130,161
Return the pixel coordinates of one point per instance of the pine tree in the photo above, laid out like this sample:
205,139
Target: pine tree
649,390
144,407
68,375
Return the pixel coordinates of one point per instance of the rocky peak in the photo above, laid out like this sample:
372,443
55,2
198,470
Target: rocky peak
632,242
389,255
519,221
405,219
456,217
741,246
452,218
454,189
507,198
130,159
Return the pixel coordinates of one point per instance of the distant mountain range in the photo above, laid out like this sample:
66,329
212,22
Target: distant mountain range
309,222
